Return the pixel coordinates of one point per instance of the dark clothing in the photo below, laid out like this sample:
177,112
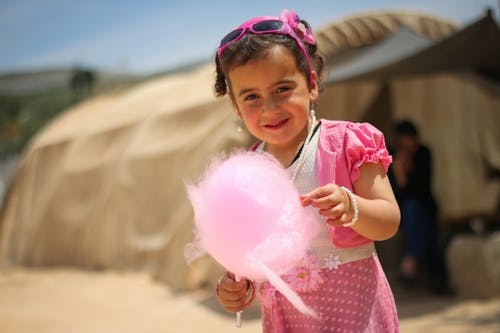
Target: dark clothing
417,223
419,183
418,213
419,179
417,206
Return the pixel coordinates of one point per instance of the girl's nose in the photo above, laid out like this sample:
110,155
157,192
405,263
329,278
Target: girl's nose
270,104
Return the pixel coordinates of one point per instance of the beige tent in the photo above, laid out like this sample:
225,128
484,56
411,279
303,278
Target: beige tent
103,185
450,88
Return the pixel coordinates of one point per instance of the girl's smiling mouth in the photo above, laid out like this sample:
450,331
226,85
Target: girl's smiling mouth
276,124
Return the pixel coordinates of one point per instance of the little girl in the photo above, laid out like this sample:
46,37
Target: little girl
270,68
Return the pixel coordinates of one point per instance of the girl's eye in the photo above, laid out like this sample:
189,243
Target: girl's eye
282,89
250,97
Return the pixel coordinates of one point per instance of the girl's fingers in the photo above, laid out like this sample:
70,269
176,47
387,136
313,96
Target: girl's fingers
325,202
335,222
323,197
305,200
228,283
234,308
233,305
320,192
332,202
232,294
333,212
235,296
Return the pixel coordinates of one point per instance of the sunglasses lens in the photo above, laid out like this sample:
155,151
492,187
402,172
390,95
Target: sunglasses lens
272,25
230,37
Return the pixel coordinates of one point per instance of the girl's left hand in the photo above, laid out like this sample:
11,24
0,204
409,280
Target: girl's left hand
332,201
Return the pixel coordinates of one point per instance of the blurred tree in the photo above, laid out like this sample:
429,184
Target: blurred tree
82,82
22,116
10,127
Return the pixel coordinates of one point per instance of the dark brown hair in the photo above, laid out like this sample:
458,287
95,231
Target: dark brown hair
255,46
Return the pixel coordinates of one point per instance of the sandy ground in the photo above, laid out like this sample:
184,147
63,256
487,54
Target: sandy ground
69,300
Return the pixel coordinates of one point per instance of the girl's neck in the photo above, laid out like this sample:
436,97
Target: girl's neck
284,155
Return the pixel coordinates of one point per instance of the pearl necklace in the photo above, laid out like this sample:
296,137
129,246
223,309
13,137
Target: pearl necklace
302,155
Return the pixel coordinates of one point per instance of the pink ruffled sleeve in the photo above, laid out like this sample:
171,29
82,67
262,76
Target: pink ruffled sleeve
364,143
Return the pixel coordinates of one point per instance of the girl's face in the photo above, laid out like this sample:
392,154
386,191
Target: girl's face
273,98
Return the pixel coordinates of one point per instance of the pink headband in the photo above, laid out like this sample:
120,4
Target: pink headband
287,24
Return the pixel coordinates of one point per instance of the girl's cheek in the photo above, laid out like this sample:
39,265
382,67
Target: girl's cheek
251,109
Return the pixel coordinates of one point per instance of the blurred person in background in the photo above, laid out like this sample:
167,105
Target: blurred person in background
411,177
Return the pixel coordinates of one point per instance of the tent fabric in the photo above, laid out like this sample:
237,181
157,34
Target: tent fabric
457,114
361,30
396,47
476,46
103,185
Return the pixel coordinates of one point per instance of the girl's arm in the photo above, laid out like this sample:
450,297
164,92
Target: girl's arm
379,215
378,209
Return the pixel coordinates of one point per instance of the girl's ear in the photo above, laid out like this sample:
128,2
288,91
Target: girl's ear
314,89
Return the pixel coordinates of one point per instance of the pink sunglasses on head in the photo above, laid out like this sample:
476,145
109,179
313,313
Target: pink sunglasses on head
288,24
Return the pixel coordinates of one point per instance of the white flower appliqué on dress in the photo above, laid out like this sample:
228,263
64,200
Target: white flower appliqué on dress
332,261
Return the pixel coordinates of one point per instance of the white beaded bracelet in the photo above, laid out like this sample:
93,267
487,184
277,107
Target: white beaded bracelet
354,203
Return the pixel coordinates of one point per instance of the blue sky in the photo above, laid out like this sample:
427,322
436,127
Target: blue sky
149,35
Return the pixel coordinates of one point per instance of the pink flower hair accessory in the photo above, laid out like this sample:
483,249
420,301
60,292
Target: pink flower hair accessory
301,27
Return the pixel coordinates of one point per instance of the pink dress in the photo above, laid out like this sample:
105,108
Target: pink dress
341,279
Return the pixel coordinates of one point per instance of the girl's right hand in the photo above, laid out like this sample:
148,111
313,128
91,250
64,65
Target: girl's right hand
332,201
231,294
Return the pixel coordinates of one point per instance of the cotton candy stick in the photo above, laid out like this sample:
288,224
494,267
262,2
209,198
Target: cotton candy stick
237,278
238,319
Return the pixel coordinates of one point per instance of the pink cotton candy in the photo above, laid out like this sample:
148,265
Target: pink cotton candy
249,218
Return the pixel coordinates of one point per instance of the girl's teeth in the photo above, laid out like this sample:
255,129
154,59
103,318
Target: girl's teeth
277,124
